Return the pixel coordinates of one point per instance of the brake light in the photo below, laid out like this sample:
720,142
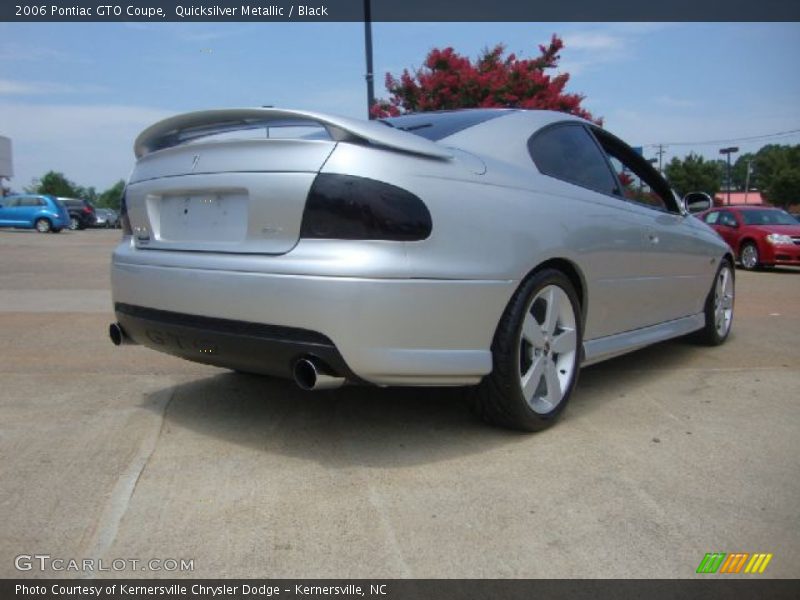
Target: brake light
123,215
345,207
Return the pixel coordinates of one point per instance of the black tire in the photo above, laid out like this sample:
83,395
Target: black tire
499,398
56,230
748,256
42,225
74,224
710,335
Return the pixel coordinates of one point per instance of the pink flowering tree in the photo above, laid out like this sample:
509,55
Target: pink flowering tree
448,80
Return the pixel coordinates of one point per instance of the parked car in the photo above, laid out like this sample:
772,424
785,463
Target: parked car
106,218
33,211
491,248
81,213
760,236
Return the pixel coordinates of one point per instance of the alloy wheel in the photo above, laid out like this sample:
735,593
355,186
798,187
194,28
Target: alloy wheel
749,256
723,301
547,347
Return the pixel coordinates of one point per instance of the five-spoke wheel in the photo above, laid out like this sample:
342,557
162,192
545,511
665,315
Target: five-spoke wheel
536,355
548,342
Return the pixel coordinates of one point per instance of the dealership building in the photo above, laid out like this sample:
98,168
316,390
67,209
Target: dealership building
6,164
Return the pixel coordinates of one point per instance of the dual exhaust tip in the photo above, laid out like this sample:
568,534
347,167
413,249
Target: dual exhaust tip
308,373
118,335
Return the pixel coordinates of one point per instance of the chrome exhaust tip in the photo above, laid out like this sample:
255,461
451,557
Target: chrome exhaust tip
310,375
118,335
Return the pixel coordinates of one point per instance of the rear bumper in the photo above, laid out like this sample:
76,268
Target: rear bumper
249,347
384,331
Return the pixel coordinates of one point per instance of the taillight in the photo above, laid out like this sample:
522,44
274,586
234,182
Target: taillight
87,210
345,207
123,215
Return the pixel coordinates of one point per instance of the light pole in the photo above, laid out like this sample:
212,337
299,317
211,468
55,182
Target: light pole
368,50
728,152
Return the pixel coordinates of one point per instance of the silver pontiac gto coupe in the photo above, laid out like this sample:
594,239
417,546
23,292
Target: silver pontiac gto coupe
494,248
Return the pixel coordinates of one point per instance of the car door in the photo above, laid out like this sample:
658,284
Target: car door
29,208
728,228
675,268
610,238
10,212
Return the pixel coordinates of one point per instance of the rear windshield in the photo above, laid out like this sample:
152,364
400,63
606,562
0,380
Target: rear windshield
437,125
767,217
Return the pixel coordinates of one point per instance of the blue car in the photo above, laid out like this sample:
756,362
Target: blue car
33,211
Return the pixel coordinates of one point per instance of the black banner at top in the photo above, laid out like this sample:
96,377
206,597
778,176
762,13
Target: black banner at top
398,10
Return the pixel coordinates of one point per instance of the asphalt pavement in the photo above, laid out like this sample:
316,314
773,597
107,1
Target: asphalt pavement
124,453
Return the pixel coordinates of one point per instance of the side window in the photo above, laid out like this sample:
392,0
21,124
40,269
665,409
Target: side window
640,182
11,202
568,152
727,218
712,217
29,201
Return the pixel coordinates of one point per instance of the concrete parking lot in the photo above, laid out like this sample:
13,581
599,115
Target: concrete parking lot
663,455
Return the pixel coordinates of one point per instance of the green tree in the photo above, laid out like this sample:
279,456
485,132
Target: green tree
56,184
111,197
778,170
694,174
739,172
784,188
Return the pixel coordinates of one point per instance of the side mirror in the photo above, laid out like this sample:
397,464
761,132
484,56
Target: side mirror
697,202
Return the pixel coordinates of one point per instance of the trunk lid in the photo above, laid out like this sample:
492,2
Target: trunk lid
243,196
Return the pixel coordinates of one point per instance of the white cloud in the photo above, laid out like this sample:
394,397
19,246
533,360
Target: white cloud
91,144
22,52
9,87
592,40
589,48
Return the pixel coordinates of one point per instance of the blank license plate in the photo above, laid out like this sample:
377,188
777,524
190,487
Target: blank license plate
211,217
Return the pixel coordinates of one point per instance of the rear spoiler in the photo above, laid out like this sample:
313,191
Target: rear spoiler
189,126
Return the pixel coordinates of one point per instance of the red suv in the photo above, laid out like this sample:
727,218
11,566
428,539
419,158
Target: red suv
759,235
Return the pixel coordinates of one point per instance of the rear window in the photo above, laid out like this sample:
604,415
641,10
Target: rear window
438,125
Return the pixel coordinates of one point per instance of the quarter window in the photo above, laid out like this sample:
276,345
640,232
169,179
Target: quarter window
639,181
568,152
712,217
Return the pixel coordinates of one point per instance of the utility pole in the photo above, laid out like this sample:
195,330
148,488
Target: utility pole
728,152
747,180
661,152
368,49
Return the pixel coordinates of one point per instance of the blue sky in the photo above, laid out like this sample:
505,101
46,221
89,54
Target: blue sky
74,95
